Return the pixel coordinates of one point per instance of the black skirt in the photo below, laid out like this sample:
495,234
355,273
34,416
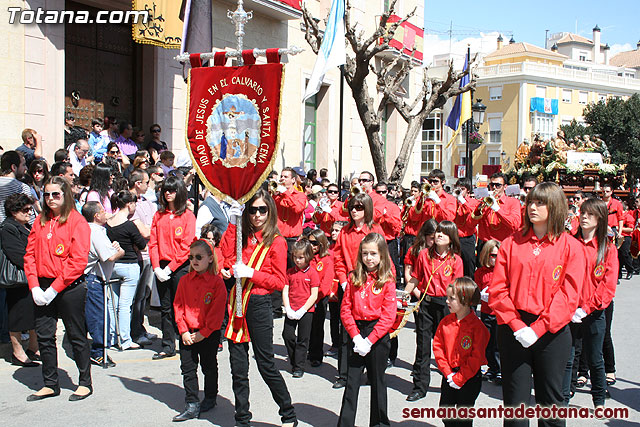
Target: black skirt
21,309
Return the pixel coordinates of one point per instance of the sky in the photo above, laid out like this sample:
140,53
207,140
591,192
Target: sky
478,22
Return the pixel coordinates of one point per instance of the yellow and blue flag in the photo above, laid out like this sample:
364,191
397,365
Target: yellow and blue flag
461,111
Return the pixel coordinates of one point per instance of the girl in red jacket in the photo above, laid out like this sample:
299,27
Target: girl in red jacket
424,240
597,294
534,292
368,312
173,229
199,309
433,271
483,276
323,263
459,346
299,296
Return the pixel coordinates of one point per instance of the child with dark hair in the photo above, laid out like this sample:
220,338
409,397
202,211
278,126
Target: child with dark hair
299,297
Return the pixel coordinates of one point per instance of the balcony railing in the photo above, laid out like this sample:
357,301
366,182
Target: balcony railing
545,70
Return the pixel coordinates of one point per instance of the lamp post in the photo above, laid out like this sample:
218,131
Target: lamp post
477,119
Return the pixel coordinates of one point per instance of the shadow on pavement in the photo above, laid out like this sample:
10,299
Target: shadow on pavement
171,395
32,378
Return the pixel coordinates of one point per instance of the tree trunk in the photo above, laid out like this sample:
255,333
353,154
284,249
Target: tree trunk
414,125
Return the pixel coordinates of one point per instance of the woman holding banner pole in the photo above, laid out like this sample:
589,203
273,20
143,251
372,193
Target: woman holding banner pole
262,270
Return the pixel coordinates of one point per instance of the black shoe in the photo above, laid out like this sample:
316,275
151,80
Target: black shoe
629,276
497,380
33,356
315,363
389,364
332,352
35,397
26,364
191,411
98,361
340,383
220,348
75,397
163,355
415,395
149,336
298,373
207,404
607,395
142,341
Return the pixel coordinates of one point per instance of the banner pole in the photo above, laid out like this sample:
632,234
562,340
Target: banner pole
340,130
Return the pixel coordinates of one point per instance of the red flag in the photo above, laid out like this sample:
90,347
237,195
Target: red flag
233,117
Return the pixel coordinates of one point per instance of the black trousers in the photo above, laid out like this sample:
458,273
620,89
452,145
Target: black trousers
375,362
607,346
624,255
68,305
334,323
491,353
427,320
465,397
260,324
297,346
394,253
206,353
343,348
316,338
140,299
167,293
393,348
545,360
468,255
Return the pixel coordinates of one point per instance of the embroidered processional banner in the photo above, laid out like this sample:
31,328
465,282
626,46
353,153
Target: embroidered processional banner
233,114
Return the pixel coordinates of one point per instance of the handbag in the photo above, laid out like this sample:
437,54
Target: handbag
11,276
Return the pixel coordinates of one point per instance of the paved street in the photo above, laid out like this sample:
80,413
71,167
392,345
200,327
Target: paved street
143,392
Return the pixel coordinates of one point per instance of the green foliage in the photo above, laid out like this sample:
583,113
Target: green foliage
617,122
574,130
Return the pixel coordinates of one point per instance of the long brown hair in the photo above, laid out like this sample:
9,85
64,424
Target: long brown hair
598,208
485,253
270,228
364,200
428,228
450,229
554,198
323,243
359,274
67,196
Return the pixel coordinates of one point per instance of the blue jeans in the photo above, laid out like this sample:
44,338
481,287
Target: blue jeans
124,292
94,313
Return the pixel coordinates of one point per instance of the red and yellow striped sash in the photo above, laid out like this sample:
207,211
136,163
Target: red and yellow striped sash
237,326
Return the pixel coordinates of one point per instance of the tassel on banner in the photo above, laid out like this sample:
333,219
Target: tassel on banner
219,59
273,56
195,59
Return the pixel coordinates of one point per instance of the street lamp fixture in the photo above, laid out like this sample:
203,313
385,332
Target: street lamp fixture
478,110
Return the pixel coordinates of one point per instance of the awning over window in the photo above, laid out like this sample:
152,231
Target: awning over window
544,105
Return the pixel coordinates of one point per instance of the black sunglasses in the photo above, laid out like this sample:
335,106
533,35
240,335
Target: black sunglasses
381,191
332,191
26,209
495,185
359,208
155,130
314,242
364,180
114,151
255,209
434,181
197,256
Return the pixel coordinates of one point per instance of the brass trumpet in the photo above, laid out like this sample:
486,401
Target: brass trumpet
457,192
355,190
489,201
273,187
426,188
409,202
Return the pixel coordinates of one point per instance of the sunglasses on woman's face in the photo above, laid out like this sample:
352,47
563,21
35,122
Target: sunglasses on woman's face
54,195
314,242
26,209
155,130
332,191
197,257
255,209
359,208
114,152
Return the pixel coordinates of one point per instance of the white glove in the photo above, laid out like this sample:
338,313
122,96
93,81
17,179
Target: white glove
49,295
357,344
344,286
452,383
526,336
38,296
290,313
325,205
434,196
461,199
299,313
578,315
160,274
281,189
167,271
495,206
484,295
235,212
365,347
242,270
